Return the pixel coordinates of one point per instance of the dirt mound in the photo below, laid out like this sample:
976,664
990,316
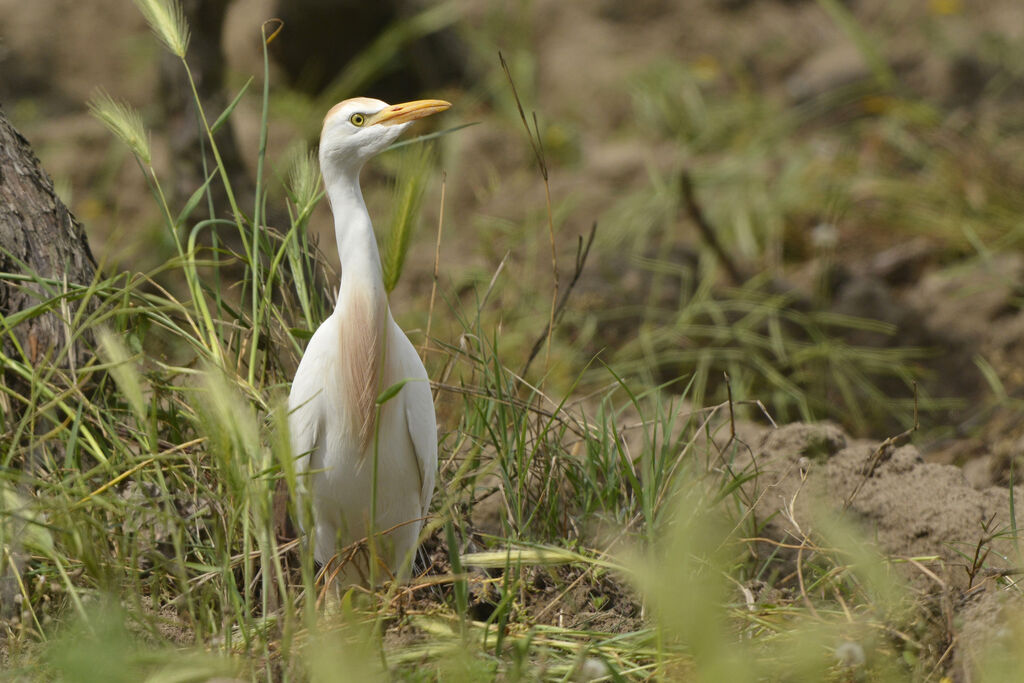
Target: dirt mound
911,508
951,542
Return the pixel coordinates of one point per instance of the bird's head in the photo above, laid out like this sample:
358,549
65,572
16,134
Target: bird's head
357,129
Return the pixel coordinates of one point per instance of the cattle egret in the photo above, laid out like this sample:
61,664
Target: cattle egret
358,352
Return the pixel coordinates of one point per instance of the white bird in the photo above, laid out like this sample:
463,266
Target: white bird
356,353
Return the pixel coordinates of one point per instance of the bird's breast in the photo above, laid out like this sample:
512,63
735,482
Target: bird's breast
360,352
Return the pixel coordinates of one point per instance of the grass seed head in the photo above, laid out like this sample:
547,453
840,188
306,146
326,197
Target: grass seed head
167,21
123,121
304,182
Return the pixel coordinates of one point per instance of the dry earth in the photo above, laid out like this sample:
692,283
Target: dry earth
953,537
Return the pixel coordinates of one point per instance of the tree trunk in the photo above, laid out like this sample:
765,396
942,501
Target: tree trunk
43,249
39,238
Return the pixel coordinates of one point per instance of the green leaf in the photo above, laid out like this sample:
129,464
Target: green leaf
193,201
230,108
391,391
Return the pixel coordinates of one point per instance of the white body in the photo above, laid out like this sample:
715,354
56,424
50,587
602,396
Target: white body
340,473
357,353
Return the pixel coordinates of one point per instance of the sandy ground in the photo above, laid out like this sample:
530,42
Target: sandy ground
948,540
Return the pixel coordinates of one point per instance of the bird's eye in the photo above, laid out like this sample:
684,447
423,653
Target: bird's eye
357,119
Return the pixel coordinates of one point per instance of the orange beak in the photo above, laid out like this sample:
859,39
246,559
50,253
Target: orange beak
407,111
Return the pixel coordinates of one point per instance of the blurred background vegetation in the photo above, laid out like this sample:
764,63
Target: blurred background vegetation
839,151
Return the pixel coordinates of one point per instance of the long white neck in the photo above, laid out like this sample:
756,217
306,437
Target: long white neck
362,307
357,247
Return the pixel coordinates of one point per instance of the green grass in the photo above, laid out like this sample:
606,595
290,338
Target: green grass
137,518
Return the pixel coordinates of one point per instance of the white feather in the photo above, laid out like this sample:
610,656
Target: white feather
340,475
337,433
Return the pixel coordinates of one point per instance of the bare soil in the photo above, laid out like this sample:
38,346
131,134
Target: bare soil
951,541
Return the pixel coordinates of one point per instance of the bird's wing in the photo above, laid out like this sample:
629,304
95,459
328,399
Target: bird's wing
305,412
418,405
422,423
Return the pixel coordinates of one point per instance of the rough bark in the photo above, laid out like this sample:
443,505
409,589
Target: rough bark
39,237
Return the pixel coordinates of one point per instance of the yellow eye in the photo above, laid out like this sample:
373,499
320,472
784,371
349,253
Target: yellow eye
357,119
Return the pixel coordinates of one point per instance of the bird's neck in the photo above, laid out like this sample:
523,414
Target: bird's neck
362,306
361,273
